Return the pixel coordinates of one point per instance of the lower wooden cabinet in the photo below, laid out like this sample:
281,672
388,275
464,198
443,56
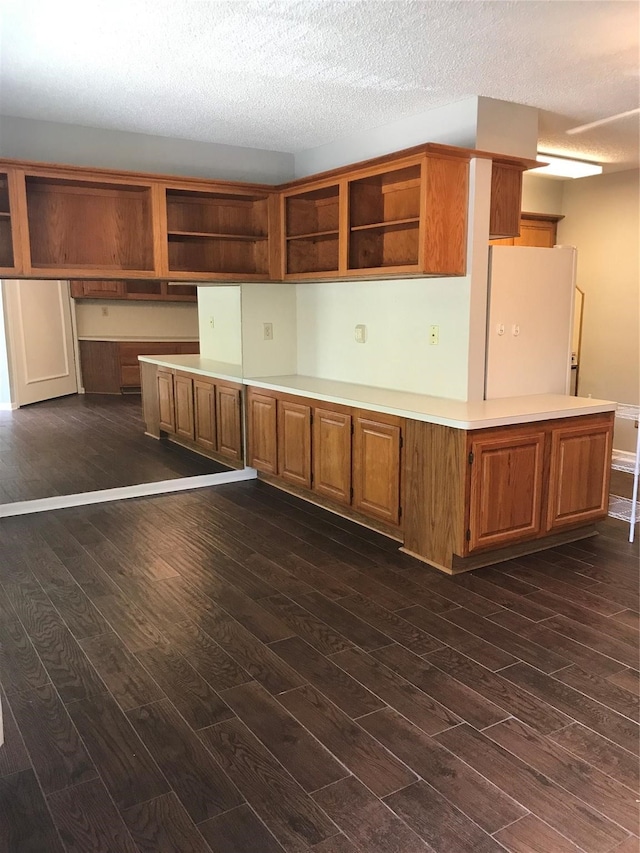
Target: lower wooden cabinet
112,367
204,413
229,421
376,469
166,405
349,456
183,397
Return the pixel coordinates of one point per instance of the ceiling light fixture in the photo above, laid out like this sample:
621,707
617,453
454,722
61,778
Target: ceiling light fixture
560,167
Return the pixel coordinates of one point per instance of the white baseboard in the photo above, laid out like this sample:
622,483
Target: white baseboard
139,491
8,407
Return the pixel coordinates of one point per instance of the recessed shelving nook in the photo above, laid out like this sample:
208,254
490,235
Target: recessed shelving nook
312,223
218,233
6,235
85,225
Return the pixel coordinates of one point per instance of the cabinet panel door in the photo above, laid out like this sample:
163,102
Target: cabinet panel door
228,424
376,469
204,413
183,395
541,234
263,454
332,455
167,421
579,475
294,443
103,289
506,489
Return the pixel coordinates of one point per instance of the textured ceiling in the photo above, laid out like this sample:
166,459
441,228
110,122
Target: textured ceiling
289,76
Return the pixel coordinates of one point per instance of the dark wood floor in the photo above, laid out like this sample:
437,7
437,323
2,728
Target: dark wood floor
83,443
232,670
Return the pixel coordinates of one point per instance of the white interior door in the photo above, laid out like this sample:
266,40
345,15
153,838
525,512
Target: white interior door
40,338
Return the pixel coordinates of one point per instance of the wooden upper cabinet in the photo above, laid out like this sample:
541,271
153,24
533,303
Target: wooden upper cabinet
93,289
229,420
506,200
506,479
183,397
311,231
376,468
536,229
262,436
167,412
332,454
580,473
11,247
204,413
294,443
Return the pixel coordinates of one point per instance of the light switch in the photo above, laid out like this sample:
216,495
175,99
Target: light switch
361,334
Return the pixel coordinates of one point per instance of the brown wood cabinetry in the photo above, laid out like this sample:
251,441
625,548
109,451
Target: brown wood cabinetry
474,498
505,487
112,367
331,455
535,229
580,470
376,468
229,421
183,397
204,413
294,443
166,405
134,290
9,251
262,441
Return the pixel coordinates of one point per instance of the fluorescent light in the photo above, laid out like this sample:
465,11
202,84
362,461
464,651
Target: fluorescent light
560,167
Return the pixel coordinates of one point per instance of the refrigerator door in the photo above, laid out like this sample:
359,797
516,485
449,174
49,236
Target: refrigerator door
530,319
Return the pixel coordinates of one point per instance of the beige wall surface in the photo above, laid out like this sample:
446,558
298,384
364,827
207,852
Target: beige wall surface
219,321
542,195
601,220
137,321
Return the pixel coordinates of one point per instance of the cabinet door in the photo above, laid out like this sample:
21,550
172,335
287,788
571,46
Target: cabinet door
183,395
332,455
505,489
579,474
376,469
204,413
167,420
294,443
263,454
103,289
228,424
532,233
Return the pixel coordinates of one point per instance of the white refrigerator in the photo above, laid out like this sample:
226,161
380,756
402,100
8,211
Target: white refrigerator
529,321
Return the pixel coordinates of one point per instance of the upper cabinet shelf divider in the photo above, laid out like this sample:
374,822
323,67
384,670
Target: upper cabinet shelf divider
402,214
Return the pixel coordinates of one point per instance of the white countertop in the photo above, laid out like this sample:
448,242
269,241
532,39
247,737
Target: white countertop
436,410
197,364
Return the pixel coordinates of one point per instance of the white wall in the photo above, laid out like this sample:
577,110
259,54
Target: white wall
397,315
223,341
506,128
269,303
137,321
601,220
542,195
51,142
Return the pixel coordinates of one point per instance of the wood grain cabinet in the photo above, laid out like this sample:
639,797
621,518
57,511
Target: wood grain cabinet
204,413
506,479
10,244
535,229
229,421
166,404
183,398
136,290
376,468
262,440
580,470
294,443
331,456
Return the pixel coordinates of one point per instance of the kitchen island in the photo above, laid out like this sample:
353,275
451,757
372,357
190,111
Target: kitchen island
459,484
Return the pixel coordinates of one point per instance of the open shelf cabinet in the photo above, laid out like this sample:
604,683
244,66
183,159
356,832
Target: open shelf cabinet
81,224
6,233
211,232
312,222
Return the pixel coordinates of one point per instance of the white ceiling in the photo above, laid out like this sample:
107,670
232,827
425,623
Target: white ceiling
289,76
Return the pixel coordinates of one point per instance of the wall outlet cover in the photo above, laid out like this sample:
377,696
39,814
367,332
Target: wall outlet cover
361,334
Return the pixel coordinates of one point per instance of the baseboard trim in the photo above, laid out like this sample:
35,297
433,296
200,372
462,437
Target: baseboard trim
141,490
8,407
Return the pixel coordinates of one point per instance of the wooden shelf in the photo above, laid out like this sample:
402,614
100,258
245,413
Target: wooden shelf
397,223
314,235
207,235
4,214
314,254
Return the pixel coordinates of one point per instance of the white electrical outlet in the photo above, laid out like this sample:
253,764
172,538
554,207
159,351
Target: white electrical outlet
361,334
211,323
434,335
268,331
105,311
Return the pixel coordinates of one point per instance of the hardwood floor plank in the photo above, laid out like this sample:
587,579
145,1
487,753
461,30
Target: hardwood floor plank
474,647
127,681
126,767
192,772
13,754
382,596
134,628
306,760
346,692
628,617
479,799
492,686
25,822
162,825
460,594
275,576
560,809
602,690
457,697
240,831
627,679
594,639
366,820
350,626
589,617
87,820
377,768
608,723
481,584
310,627
601,753
532,835
417,594
194,697
422,710
57,753
291,815
444,827
538,656
398,629
20,666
